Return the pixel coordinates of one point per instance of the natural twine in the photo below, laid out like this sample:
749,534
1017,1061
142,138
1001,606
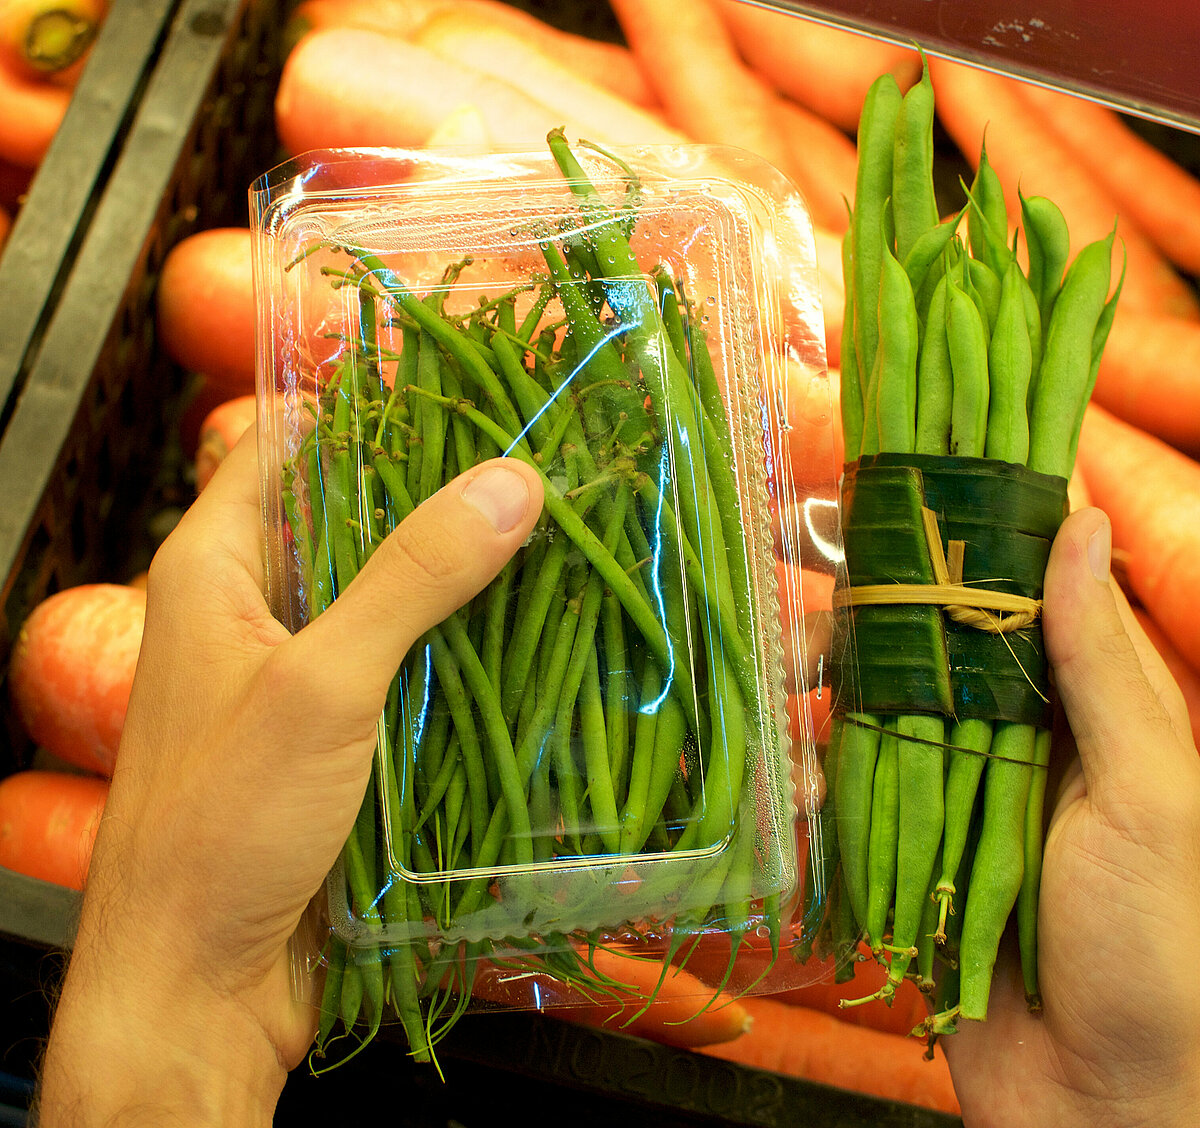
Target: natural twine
972,606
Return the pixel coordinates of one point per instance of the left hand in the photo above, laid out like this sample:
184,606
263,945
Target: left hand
244,758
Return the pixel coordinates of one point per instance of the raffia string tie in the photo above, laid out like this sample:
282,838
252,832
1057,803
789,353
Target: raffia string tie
997,612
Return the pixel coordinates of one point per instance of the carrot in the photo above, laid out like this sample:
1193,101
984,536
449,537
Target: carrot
826,69
1027,155
30,114
48,824
72,668
39,38
1151,493
505,55
806,1043
205,307
606,64
1150,376
221,429
814,441
705,88
1152,191
833,290
350,88
685,1010
823,161
1186,676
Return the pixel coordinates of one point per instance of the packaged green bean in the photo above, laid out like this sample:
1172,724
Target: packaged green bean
593,760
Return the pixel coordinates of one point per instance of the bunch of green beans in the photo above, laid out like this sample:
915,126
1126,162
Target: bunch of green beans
603,699
950,349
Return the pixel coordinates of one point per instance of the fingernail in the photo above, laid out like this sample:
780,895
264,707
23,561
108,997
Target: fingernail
500,494
1099,551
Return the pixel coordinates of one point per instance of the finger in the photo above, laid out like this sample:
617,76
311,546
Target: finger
1110,702
223,527
440,556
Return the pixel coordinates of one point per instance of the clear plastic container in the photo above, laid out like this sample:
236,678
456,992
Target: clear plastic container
596,749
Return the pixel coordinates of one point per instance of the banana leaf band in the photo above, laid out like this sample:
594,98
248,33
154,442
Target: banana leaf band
938,604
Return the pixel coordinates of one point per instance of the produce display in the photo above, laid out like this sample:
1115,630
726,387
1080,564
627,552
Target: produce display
43,47
483,76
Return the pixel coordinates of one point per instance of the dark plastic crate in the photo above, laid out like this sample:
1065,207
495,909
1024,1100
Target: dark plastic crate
88,449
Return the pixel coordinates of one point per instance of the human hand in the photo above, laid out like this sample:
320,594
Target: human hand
243,761
1118,1041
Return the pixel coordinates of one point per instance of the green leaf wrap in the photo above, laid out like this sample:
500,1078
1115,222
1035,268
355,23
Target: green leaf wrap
915,658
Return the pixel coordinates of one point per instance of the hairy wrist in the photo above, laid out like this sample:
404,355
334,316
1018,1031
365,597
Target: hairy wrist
129,1047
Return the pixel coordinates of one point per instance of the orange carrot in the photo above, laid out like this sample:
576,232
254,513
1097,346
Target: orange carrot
48,824
833,290
814,441
705,88
823,161
1152,191
1150,376
1186,676
72,670
395,94
206,314
507,56
607,64
1151,493
39,38
801,1042
30,114
686,1011
1028,155
220,431
827,69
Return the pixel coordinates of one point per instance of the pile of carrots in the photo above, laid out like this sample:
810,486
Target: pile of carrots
483,75
43,47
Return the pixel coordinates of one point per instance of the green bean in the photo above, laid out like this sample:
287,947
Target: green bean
1010,366
1103,325
987,217
970,739
934,379
851,401
601,796
883,841
896,395
967,345
1067,359
872,190
927,932
1027,899
984,285
331,992
857,755
999,864
914,203
1049,246
920,819
925,262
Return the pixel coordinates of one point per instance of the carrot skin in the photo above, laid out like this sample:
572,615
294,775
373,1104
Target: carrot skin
72,670
48,824
806,1043
1028,156
1150,376
825,69
31,111
1151,191
1151,493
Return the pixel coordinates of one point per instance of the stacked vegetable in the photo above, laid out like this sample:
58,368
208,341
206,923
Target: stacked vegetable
964,382
592,743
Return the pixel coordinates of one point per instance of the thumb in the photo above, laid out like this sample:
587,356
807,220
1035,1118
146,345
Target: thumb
1118,698
446,551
